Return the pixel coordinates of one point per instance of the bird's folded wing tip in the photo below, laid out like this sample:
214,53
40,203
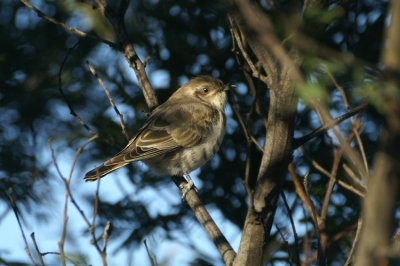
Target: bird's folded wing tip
90,177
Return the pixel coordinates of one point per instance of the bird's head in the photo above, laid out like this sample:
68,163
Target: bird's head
204,88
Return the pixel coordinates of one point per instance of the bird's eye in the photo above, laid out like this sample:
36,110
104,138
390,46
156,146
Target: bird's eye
205,89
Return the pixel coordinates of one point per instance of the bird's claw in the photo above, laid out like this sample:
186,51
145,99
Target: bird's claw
186,187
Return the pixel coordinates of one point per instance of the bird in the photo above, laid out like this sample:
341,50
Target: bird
180,135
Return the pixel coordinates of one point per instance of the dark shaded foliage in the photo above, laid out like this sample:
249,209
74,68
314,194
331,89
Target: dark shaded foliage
183,40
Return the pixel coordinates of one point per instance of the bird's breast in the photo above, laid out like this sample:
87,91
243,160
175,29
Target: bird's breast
196,156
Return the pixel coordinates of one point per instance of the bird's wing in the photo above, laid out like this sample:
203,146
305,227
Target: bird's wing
168,129
188,123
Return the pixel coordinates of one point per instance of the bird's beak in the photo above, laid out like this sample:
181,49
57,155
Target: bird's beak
228,87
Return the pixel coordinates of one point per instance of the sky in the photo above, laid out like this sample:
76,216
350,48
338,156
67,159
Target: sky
48,233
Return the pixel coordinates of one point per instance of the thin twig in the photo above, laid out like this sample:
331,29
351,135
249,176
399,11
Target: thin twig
153,259
306,242
249,139
323,236
306,183
50,253
303,195
249,78
64,229
82,35
361,145
37,249
240,119
296,238
330,124
106,234
285,241
238,37
356,125
67,186
68,195
335,165
60,89
317,220
15,210
350,154
344,232
54,159
257,144
95,207
125,46
258,102
354,245
246,180
353,176
113,105
92,227
340,182
68,28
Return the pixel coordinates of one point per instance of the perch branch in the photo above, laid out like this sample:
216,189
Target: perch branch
206,221
117,21
125,46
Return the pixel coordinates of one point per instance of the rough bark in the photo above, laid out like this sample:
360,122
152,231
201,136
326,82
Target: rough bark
282,75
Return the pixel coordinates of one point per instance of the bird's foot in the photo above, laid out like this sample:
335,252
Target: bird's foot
186,187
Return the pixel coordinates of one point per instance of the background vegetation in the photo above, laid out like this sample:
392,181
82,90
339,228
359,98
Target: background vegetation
337,56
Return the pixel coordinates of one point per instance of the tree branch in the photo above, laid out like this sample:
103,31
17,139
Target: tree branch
112,103
331,123
116,19
68,28
296,239
68,194
37,249
206,221
282,74
15,210
125,46
383,185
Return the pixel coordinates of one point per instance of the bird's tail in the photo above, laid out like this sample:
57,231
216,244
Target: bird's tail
103,170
